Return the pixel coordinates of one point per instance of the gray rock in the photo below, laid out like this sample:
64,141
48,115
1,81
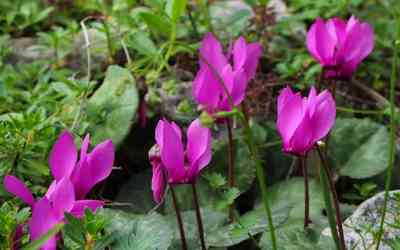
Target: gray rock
361,227
27,50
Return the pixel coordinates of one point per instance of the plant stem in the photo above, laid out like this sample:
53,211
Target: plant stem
392,146
193,22
231,166
179,219
331,185
260,177
109,41
198,217
306,192
329,209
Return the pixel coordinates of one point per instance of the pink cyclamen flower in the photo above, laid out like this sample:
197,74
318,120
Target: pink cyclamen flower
236,70
304,121
73,180
340,46
177,164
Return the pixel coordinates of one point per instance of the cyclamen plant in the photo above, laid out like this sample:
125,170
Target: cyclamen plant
236,69
73,179
340,46
170,160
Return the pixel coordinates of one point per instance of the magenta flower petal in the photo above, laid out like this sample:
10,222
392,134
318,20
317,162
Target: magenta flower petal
324,115
18,188
63,156
63,197
206,89
82,179
198,148
340,46
239,53
42,220
101,161
172,153
325,43
312,42
51,189
304,121
80,206
211,50
239,86
85,146
290,116
302,138
337,29
157,182
254,53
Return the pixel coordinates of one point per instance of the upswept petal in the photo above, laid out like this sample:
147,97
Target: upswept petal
101,161
172,154
228,77
290,116
63,156
15,186
198,148
206,89
157,182
239,86
325,43
211,50
239,53
283,97
82,179
159,133
62,198
311,101
337,30
254,53
302,139
80,206
42,220
324,116
311,42
51,189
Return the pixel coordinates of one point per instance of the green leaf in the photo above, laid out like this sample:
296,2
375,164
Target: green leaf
35,245
360,147
175,8
157,23
142,43
112,108
152,232
251,223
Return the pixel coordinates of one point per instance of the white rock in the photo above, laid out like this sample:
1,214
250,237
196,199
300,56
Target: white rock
360,228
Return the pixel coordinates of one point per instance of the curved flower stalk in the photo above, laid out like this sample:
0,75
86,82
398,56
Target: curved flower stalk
302,121
340,46
236,69
73,180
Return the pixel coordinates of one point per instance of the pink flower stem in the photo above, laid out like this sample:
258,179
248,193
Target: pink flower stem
306,192
198,217
231,166
179,219
334,196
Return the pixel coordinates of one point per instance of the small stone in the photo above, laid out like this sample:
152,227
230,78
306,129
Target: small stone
362,226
